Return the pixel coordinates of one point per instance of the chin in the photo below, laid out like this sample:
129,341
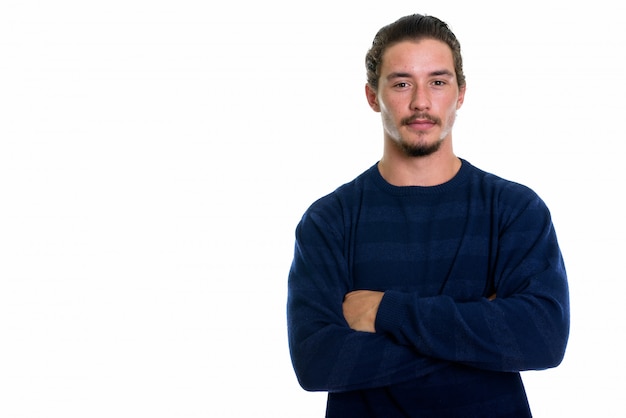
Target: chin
421,149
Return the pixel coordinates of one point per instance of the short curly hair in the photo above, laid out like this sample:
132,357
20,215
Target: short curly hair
412,27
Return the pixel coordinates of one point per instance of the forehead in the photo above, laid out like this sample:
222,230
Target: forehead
421,55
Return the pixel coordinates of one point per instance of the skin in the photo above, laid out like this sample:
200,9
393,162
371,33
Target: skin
417,97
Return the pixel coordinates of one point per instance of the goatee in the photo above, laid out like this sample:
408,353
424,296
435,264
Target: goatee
420,150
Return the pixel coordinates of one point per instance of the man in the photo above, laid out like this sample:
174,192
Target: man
424,286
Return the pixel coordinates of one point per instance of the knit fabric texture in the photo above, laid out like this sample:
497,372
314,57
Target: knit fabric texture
439,253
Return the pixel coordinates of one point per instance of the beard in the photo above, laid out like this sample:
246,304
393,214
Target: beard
420,150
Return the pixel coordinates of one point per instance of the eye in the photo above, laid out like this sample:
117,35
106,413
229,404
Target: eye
439,83
401,85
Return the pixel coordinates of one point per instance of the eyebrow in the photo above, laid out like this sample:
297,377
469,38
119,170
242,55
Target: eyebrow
436,73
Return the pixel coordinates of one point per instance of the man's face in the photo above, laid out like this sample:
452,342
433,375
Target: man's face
417,95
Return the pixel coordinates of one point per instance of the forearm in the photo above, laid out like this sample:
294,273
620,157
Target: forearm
326,353
526,327
520,332
336,359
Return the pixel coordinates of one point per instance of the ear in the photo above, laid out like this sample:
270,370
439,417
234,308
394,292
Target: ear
461,98
372,98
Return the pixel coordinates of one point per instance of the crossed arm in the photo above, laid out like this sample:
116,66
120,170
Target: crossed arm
403,334
361,306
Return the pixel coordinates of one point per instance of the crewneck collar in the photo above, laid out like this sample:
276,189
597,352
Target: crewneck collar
459,179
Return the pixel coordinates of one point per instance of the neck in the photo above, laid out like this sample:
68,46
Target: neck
399,169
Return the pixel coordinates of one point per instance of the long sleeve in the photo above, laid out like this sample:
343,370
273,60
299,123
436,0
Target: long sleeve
525,327
438,253
326,354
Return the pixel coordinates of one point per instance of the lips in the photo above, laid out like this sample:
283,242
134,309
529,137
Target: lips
421,124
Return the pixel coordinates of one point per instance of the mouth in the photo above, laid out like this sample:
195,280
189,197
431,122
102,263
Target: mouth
421,124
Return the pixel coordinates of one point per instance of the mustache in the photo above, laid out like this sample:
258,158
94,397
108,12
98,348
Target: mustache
421,116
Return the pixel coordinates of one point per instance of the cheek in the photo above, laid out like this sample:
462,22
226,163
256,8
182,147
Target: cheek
391,107
390,126
449,123
454,106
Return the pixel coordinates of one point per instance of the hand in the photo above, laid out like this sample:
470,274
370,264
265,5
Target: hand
360,308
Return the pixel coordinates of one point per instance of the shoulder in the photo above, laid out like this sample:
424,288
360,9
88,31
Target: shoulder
334,211
502,187
345,194
509,198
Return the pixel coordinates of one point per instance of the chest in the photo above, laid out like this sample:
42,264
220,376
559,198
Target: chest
448,248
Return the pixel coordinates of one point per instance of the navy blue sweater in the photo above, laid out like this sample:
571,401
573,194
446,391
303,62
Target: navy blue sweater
438,253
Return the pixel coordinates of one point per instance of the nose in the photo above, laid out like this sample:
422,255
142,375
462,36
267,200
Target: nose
421,99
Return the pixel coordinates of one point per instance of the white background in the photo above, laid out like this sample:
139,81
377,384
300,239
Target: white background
155,157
